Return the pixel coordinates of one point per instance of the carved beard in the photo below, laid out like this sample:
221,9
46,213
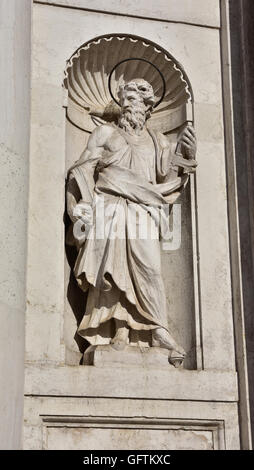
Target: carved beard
133,119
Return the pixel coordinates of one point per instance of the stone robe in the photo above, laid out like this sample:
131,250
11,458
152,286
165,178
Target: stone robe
134,182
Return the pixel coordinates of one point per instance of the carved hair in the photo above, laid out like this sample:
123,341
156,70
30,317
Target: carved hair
143,88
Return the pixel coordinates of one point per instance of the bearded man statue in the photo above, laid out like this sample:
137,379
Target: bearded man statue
126,176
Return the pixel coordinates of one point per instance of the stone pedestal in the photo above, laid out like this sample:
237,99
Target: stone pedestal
101,356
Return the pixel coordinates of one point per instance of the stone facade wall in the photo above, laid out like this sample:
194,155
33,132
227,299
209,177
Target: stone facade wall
204,405
15,64
242,46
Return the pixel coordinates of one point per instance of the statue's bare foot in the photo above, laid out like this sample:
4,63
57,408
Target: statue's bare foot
120,339
175,358
163,339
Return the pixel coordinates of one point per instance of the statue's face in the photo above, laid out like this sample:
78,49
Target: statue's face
131,99
137,99
137,94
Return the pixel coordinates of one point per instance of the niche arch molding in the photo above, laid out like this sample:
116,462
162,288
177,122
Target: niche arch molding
89,70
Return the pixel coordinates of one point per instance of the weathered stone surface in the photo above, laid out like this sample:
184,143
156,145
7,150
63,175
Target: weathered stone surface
189,11
88,438
15,64
145,383
68,419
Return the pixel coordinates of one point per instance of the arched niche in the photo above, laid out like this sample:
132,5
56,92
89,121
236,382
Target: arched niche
92,77
92,86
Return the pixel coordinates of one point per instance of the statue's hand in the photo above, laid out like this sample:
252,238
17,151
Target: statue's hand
84,212
188,142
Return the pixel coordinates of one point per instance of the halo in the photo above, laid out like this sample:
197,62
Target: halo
143,60
92,83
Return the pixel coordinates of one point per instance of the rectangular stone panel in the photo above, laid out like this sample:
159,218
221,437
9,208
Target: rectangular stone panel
86,422
72,433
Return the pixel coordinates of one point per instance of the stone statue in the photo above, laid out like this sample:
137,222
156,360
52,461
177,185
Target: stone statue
134,172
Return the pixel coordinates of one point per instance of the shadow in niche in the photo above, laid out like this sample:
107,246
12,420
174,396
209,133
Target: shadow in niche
76,297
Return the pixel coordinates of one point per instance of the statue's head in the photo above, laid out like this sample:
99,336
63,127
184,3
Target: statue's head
137,101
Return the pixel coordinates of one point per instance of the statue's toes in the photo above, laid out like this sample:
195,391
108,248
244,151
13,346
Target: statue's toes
179,351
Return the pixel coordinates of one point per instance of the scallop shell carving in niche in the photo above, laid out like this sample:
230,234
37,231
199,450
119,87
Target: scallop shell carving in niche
88,71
